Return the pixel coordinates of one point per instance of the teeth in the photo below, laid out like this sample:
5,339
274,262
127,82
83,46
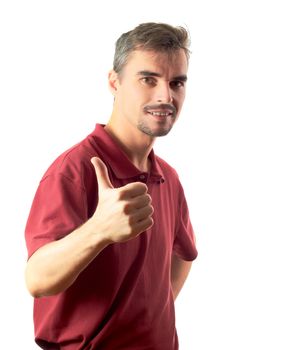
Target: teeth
162,114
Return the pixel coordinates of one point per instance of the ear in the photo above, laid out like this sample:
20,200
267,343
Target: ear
113,82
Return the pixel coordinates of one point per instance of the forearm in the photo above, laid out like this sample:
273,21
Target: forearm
122,214
55,266
179,272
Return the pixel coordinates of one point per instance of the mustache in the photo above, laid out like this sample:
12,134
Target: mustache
161,106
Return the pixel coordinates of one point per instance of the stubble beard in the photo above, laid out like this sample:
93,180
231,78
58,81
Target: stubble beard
161,130
143,127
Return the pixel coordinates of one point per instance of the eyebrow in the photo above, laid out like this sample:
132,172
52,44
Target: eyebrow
147,73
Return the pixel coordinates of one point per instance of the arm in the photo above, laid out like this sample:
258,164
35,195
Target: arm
122,214
179,272
56,265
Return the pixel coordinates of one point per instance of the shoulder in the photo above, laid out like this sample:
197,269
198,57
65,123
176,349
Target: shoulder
74,164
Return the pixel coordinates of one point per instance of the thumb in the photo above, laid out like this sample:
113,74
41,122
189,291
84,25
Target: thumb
102,174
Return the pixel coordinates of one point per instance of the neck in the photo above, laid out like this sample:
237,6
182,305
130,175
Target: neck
136,145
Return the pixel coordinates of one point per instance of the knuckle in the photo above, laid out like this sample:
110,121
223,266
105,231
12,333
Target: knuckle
150,221
126,208
148,198
120,194
133,232
142,186
131,221
151,209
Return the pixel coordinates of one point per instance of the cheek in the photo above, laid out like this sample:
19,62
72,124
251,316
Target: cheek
132,102
133,97
139,97
180,99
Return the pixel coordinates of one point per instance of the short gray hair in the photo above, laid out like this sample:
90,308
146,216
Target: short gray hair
159,37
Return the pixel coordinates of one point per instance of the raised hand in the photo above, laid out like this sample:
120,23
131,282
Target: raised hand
122,213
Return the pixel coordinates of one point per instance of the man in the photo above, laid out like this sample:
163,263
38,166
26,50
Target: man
109,238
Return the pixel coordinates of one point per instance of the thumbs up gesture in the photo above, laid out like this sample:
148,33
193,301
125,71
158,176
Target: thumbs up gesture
122,213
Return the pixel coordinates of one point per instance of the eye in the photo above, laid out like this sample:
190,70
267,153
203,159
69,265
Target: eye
176,84
148,81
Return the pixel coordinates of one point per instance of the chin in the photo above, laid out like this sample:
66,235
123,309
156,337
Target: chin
152,132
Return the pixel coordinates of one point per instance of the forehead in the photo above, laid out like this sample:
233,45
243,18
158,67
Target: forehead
165,64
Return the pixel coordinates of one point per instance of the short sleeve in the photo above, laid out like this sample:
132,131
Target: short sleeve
184,245
58,208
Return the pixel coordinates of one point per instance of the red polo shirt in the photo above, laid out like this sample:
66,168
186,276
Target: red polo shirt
123,299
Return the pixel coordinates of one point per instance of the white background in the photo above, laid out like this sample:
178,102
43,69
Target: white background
229,147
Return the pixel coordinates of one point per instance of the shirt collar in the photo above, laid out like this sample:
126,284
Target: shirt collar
122,167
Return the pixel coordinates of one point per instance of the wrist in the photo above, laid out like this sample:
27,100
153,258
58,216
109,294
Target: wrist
96,234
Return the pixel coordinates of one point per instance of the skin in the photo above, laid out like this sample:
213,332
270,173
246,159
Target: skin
149,83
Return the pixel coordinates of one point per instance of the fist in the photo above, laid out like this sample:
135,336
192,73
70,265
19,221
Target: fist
122,213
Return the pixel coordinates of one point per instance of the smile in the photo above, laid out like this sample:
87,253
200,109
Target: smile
161,114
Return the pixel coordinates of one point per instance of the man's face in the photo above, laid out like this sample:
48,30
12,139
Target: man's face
150,90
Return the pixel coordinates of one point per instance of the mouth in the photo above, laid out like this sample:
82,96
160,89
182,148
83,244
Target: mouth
161,111
162,114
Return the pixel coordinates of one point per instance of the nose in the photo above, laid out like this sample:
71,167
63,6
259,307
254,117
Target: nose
164,93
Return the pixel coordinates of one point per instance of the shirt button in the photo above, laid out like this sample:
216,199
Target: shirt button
142,177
